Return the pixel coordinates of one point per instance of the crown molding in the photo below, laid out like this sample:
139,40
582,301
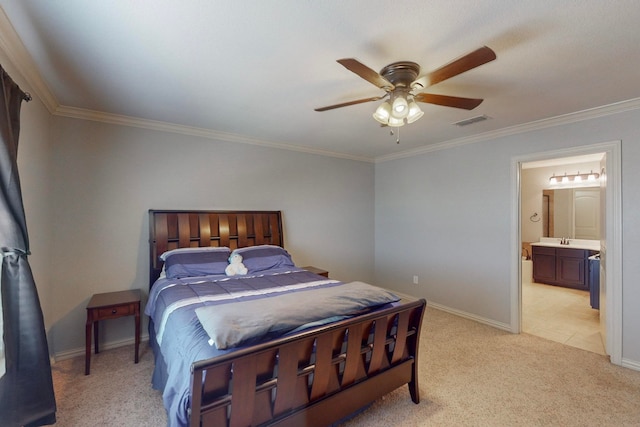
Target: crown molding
592,113
98,116
12,46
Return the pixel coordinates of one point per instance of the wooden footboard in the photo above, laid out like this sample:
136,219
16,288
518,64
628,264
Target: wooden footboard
313,378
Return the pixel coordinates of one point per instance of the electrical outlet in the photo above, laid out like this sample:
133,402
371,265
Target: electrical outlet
415,280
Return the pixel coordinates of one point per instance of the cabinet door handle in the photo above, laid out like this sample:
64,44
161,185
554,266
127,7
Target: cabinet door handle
114,311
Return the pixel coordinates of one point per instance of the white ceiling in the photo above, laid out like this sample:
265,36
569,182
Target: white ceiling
253,71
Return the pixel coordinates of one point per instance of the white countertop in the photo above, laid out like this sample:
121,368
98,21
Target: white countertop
592,245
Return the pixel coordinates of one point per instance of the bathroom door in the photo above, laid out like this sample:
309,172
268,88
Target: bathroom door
603,252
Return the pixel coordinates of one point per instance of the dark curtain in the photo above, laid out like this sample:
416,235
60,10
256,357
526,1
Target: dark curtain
26,389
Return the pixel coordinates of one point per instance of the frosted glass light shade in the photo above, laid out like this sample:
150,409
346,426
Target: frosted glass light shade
575,180
395,122
383,112
400,108
414,112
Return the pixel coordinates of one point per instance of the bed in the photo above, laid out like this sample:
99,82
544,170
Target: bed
314,373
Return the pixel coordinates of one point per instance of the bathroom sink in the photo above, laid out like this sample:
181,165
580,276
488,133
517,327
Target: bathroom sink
593,245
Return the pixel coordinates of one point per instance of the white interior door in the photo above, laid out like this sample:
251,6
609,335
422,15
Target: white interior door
603,252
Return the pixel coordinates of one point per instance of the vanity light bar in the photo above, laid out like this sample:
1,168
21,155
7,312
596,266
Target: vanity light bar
579,177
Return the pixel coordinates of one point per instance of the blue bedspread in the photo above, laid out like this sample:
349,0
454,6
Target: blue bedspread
181,339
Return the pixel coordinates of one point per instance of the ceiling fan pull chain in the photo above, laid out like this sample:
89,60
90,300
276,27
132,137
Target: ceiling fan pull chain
391,132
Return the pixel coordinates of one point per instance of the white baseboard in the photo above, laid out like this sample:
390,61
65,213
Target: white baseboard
490,322
631,364
68,354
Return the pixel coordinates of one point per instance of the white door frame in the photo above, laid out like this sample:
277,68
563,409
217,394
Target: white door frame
613,235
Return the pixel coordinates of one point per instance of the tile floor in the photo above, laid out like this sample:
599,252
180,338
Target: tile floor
561,314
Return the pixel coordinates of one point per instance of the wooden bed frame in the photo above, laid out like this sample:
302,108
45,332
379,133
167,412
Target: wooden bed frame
312,378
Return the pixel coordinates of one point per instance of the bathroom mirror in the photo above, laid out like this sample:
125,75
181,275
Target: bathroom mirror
571,212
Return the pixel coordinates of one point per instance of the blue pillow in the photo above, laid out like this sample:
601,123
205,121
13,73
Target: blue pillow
191,262
264,257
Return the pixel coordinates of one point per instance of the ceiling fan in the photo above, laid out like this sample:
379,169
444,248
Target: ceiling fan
402,85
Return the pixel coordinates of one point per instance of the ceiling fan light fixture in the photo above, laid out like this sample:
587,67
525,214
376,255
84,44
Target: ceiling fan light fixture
401,79
400,107
395,122
382,113
414,112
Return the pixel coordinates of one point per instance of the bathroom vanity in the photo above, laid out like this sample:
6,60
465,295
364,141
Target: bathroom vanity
563,264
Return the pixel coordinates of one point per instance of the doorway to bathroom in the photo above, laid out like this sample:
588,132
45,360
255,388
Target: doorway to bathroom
555,312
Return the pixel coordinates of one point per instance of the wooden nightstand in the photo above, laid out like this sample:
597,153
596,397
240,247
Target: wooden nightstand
110,305
317,270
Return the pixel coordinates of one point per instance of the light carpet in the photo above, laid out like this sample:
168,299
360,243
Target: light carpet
470,375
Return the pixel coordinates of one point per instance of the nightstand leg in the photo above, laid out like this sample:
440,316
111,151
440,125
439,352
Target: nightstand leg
95,336
137,334
87,353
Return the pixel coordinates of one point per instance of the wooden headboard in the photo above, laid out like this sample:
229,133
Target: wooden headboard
172,229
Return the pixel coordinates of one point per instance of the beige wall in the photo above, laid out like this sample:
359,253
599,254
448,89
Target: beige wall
106,177
446,216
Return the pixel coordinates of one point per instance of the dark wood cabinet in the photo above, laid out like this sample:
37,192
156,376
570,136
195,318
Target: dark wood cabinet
594,281
572,268
566,267
544,264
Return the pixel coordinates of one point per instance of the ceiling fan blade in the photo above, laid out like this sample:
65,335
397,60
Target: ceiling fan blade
346,104
448,101
366,73
458,66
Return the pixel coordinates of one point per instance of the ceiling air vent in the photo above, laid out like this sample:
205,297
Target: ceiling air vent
472,120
